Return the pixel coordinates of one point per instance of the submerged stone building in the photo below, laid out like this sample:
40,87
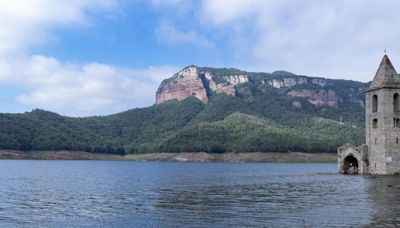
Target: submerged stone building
381,153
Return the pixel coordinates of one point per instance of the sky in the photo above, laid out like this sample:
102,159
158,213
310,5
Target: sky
98,57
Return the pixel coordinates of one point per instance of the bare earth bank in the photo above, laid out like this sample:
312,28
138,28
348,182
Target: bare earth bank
178,157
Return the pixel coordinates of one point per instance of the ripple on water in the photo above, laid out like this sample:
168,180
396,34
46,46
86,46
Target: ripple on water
111,193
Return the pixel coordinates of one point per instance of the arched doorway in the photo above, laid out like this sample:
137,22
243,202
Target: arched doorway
350,165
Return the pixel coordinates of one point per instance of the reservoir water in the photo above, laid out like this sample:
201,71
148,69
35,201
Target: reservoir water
162,194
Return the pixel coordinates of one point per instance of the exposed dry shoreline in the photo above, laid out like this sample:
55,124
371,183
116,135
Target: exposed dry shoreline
178,157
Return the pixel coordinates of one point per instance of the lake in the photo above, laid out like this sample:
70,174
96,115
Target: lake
167,194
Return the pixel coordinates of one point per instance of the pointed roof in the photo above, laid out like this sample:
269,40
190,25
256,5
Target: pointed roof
386,76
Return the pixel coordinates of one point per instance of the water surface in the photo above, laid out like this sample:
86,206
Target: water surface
121,193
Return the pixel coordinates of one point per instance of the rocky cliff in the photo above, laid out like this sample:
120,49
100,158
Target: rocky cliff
203,83
290,82
197,82
317,97
184,84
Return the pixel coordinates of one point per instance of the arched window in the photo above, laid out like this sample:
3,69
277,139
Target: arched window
396,122
375,123
374,103
396,103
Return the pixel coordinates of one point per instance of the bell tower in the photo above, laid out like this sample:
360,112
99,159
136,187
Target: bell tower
382,119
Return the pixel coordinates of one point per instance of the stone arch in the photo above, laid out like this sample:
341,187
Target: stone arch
396,102
352,160
374,103
350,165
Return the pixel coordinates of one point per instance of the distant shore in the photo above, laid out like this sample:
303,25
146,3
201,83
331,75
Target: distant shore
176,157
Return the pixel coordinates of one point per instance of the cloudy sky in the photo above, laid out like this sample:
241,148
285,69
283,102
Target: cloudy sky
97,57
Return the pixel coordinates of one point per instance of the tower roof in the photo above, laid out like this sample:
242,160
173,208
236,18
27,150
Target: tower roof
386,76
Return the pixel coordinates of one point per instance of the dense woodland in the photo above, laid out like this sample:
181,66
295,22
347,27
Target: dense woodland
258,118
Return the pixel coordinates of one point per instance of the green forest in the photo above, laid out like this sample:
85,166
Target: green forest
258,119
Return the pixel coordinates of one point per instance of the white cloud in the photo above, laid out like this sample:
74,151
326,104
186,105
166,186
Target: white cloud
81,90
70,89
25,23
223,11
167,33
328,38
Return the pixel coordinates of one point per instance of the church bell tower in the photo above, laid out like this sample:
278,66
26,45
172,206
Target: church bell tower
382,118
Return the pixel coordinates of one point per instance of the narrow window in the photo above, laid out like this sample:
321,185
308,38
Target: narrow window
396,122
375,123
375,141
396,103
374,103
397,140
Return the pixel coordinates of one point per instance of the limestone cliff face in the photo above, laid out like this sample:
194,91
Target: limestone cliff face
318,98
219,88
192,81
290,82
228,86
204,82
184,84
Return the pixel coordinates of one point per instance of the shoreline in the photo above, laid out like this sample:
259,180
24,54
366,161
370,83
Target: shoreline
230,157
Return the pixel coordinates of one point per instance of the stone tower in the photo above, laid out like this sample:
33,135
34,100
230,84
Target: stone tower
382,119
381,153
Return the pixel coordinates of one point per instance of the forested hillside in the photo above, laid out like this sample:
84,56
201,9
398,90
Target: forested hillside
258,116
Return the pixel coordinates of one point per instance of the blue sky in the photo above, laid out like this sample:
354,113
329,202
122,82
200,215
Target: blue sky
97,57
132,37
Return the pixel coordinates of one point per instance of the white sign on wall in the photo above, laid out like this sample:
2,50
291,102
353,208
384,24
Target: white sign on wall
388,159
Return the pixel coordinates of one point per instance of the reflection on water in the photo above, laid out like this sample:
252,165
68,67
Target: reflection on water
384,194
110,193
281,200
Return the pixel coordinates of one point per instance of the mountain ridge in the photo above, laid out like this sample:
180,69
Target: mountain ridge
237,111
203,82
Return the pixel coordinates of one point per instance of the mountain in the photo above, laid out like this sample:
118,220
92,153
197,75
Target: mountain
203,83
211,110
